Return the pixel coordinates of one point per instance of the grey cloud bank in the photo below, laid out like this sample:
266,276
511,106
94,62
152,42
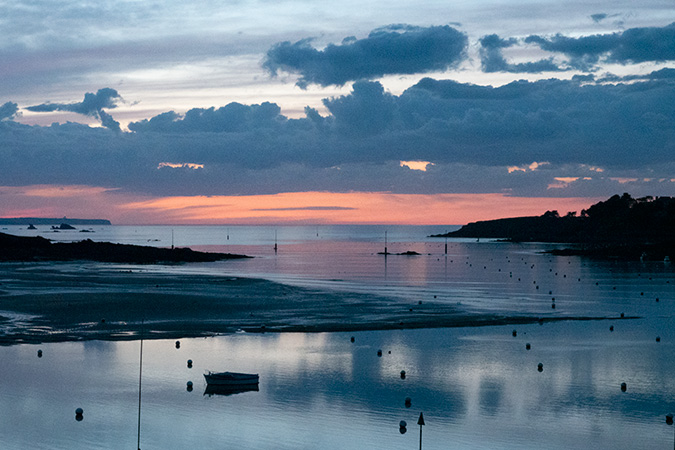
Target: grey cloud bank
632,46
398,49
595,136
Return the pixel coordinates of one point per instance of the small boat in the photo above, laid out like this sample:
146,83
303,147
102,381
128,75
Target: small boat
231,379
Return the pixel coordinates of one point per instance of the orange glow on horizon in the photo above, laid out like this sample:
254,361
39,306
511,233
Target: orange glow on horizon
350,208
87,202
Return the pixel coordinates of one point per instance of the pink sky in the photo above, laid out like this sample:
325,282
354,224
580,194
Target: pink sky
302,207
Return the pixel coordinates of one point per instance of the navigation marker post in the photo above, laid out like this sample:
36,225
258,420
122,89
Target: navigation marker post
420,422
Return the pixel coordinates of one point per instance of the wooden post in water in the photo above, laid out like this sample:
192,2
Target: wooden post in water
275,241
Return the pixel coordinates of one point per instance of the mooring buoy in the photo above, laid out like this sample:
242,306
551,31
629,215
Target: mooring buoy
79,414
177,344
189,363
623,387
403,374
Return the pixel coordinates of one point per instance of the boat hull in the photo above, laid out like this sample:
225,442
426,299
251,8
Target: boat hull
231,379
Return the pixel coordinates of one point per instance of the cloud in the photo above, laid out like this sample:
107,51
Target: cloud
635,45
492,59
397,49
92,105
476,139
307,208
8,111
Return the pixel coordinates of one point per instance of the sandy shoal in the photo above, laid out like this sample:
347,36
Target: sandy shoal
53,302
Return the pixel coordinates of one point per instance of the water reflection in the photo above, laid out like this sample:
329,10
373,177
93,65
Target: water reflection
212,390
478,388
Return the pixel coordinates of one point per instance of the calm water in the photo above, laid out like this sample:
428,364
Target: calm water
479,388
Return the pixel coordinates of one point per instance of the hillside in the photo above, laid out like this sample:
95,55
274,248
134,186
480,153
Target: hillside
618,227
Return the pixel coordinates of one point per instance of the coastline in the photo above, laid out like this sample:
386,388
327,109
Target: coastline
62,302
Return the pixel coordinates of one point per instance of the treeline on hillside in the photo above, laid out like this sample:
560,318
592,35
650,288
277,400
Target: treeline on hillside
618,224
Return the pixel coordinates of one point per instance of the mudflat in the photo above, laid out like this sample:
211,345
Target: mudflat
51,302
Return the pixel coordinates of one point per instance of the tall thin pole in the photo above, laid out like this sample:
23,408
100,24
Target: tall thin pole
420,422
140,378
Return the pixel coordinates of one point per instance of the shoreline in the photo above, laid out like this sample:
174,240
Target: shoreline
62,302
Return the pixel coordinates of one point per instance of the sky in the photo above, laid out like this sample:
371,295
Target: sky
261,112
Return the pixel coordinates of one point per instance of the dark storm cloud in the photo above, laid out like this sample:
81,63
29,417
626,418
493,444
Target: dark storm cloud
471,134
492,59
92,105
398,49
8,110
635,45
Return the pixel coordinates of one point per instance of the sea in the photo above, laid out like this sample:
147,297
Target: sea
602,377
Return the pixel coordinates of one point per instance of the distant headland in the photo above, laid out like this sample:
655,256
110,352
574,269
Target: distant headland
620,227
50,221
21,248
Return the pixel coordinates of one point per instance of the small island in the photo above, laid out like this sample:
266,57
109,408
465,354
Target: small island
621,227
20,248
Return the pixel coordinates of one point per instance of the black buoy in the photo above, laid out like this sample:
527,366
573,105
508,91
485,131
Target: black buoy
658,338
352,339
669,419
611,328
540,367
514,333
402,427
552,305
403,374
79,414
189,386
379,353
177,344
623,387
622,315
39,353
528,346
408,402
189,363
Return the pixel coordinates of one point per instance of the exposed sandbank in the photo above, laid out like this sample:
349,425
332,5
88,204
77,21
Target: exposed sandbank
64,302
